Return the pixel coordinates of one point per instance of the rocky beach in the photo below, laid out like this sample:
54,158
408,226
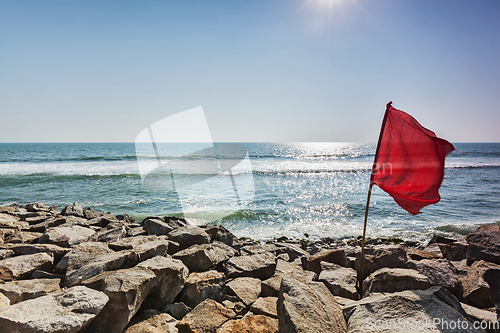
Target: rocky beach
81,270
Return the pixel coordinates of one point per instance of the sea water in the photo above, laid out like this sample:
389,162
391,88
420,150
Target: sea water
318,189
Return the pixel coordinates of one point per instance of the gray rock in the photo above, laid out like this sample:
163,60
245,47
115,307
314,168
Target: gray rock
100,264
4,302
247,289
151,249
22,290
336,256
22,266
171,274
130,243
475,288
205,317
416,254
395,279
454,251
179,310
411,307
308,307
261,266
200,258
126,289
89,213
271,286
383,257
190,235
156,226
66,311
112,235
23,237
51,249
341,281
49,223
75,209
221,234
200,286
36,207
483,244
262,248
80,255
5,253
265,306
68,236
12,222
492,278
440,272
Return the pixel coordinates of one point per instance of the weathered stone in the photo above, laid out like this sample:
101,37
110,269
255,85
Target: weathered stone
200,286
22,249
478,314
454,251
434,249
437,239
261,248
157,323
250,324
415,254
483,244
80,255
45,275
66,311
89,213
395,279
49,223
130,243
156,226
190,235
175,222
265,306
22,290
440,272
151,249
206,317
383,257
171,274
492,278
2,237
126,289
36,207
336,256
100,264
22,266
294,251
221,234
410,307
200,258
12,222
247,289
178,310
37,219
68,236
476,290
6,253
112,235
4,302
7,209
271,286
341,281
137,231
23,237
75,209
308,307
261,266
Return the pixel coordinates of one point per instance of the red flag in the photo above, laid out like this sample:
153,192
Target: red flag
409,161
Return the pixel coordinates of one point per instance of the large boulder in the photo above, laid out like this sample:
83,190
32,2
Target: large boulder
308,307
206,317
189,235
67,311
336,256
171,274
454,251
475,289
12,222
483,244
80,255
68,236
430,310
126,289
21,267
51,249
395,279
341,281
383,257
261,266
48,223
23,237
22,290
75,210
221,234
271,286
250,324
156,226
440,272
200,258
200,286
247,289
492,278
416,254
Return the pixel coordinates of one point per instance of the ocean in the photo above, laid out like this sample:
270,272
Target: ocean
318,189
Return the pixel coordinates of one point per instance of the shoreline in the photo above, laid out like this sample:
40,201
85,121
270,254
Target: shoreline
195,277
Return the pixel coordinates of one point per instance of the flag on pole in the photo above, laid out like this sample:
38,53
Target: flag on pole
409,161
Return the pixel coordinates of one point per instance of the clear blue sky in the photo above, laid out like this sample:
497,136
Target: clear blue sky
283,70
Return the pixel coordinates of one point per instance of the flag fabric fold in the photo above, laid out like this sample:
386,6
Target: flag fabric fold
409,161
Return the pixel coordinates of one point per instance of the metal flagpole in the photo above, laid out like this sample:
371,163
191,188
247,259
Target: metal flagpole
361,276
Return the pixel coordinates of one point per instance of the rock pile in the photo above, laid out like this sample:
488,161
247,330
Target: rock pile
80,270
